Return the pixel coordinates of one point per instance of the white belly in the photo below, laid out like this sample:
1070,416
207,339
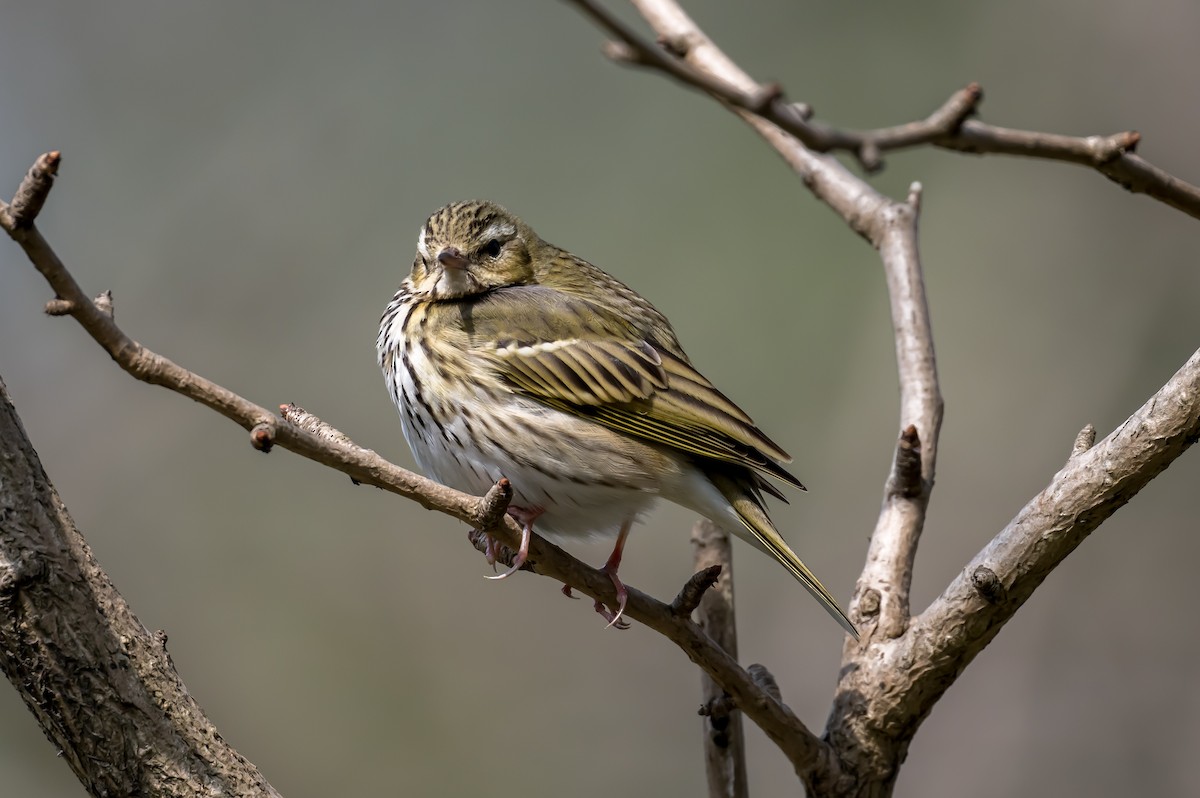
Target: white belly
468,438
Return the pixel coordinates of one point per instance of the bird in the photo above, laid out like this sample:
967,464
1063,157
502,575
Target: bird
508,357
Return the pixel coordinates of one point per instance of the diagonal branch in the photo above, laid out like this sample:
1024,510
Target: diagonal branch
101,686
949,127
318,442
878,709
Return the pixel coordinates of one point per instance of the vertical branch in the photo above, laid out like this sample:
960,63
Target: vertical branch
724,742
883,587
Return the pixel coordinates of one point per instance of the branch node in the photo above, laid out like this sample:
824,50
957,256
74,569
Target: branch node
905,481
803,111
59,307
915,191
868,605
760,101
693,590
262,436
35,187
869,156
493,505
678,46
1106,149
719,711
104,303
988,584
1085,440
622,53
766,682
18,574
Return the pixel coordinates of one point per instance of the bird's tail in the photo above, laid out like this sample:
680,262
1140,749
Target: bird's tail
764,535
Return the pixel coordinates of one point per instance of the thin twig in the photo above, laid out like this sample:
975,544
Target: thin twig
949,127
893,548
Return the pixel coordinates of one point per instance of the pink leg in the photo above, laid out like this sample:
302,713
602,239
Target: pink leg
526,518
610,568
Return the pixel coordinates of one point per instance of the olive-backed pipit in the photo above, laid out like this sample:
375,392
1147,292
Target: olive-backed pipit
509,357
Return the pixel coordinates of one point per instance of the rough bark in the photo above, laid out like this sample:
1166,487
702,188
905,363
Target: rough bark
100,684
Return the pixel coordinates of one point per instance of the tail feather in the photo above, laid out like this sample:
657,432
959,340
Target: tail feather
764,535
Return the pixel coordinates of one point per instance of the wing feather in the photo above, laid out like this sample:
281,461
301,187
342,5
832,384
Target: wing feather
578,357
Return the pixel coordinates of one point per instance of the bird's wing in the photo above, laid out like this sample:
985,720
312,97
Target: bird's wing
578,357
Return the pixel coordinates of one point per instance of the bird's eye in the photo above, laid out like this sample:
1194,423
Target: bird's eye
492,248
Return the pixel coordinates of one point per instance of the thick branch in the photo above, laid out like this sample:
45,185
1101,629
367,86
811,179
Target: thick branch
320,444
101,686
879,706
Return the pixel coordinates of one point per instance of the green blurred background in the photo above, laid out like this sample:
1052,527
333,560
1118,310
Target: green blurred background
249,178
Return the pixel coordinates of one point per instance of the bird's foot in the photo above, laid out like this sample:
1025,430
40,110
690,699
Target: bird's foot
525,517
566,591
610,569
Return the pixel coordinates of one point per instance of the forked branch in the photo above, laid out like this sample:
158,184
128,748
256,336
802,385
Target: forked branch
949,127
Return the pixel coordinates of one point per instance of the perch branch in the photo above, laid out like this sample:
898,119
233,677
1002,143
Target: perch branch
318,443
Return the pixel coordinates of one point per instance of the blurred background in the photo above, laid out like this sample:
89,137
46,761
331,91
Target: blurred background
249,180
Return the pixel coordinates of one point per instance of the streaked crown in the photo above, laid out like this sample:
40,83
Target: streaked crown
471,247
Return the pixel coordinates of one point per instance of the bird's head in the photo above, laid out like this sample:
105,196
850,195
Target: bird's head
472,247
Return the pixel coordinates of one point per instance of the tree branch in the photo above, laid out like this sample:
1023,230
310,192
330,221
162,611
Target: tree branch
319,442
879,706
891,680
101,686
949,127
724,742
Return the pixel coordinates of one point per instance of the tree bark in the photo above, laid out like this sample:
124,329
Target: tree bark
101,686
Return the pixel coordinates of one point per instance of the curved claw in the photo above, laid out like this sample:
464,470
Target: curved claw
522,551
566,591
610,568
614,618
516,566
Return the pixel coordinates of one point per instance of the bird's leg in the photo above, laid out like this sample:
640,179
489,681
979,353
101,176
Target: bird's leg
525,517
610,568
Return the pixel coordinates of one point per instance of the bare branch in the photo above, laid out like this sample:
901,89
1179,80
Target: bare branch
693,590
101,686
802,748
880,704
724,742
947,127
31,194
878,709
889,565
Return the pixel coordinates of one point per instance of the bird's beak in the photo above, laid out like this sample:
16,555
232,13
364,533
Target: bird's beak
452,258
